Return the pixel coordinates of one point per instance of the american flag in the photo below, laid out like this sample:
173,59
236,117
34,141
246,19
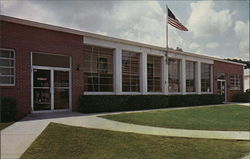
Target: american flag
172,20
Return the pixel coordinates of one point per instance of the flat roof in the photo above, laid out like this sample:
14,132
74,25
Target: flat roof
103,37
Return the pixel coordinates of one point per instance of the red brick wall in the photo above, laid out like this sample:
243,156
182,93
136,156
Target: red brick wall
229,69
24,40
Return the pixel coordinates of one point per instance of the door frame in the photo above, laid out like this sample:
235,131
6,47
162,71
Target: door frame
51,68
223,80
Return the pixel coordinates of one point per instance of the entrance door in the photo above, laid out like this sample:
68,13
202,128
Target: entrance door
50,89
221,88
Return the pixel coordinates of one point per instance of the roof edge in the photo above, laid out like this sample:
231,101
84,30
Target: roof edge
103,37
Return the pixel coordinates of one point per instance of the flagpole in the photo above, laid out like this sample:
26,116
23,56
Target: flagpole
166,55
166,33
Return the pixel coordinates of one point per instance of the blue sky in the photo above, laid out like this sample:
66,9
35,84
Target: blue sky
216,28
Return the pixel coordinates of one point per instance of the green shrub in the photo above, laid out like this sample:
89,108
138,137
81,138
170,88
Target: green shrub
111,103
241,97
8,109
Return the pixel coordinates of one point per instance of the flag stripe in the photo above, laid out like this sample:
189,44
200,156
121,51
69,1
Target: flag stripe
172,20
177,24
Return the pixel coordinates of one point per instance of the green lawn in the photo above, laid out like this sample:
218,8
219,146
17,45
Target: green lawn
59,141
4,125
233,117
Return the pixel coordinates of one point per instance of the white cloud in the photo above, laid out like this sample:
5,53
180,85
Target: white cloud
137,21
194,45
212,45
242,31
205,21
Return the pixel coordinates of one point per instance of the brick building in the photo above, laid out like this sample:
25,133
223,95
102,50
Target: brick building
47,67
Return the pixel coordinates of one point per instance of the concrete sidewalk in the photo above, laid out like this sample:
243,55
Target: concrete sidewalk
16,138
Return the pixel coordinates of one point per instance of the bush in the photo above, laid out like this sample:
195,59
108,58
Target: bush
241,97
8,109
111,103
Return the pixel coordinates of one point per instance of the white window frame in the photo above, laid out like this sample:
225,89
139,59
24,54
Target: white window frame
235,81
113,70
211,78
180,80
140,76
14,67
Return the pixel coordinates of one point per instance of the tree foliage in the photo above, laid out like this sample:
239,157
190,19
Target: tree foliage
240,61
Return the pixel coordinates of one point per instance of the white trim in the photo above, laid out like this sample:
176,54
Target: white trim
183,76
52,90
49,111
48,68
144,73
175,93
104,38
70,84
99,93
155,93
32,83
14,67
191,93
131,93
206,92
223,80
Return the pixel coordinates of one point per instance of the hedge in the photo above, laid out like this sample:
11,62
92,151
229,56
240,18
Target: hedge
8,109
112,103
241,97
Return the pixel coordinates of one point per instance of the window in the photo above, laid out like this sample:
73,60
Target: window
190,76
98,69
154,73
174,75
206,77
130,71
7,67
235,82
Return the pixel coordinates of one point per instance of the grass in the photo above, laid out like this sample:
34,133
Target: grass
59,141
230,117
4,125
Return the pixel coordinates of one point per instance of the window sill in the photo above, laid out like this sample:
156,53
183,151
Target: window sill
99,93
206,92
174,93
235,89
8,85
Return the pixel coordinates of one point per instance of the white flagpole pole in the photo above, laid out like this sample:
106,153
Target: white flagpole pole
166,56
166,33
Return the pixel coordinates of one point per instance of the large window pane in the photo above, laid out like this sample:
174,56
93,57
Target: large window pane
206,77
130,71
7,67
98,69
190,76
154,73
174,75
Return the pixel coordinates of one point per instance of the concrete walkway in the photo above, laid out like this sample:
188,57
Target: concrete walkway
16,138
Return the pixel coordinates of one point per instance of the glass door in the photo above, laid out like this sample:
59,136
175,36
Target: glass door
50,89
221,88
61,89
41,89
